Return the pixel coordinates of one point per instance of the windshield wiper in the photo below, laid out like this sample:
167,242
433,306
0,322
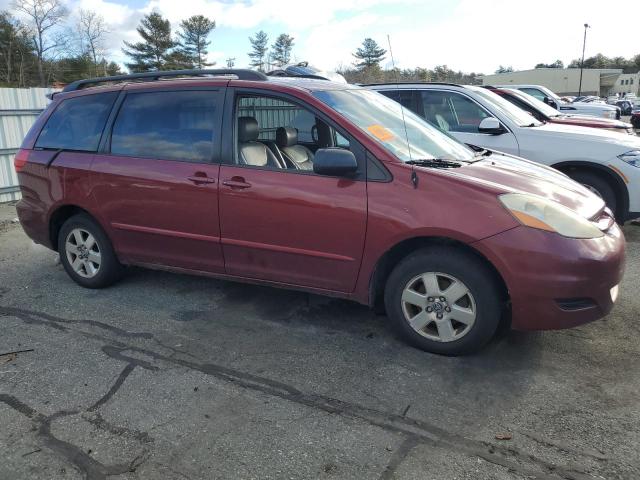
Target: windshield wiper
434,163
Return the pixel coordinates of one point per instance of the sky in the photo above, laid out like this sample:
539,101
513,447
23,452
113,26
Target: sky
468,35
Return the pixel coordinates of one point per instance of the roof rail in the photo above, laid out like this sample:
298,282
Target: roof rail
409,82
242,74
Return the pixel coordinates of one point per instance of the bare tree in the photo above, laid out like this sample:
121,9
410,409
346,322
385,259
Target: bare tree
92,32
44,16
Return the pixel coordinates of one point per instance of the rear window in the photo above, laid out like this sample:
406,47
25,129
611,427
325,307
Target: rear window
166,125
77,123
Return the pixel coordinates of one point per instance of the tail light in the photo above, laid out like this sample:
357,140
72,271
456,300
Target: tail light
20,160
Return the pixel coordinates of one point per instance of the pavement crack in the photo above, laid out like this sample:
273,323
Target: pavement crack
408,444
83,462
58,323
114,388
525,464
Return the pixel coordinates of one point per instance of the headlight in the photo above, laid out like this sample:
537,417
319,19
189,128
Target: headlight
543,214
632,158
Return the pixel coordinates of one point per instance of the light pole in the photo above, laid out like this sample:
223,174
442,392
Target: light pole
584,43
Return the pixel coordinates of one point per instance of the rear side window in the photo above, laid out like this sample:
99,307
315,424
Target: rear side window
167,125
77,123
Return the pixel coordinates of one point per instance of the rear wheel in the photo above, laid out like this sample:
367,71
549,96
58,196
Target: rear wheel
87,254
444,300
599,186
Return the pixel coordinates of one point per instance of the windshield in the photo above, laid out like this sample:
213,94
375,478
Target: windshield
508,109
534,102
382,120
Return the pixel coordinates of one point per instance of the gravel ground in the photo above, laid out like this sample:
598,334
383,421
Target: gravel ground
178,377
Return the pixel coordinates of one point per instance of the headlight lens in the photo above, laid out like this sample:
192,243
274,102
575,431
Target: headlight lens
632,158
543,214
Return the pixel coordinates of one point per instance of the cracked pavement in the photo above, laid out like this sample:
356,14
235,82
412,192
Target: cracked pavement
178,377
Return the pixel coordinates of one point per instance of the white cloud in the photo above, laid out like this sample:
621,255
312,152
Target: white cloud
466,35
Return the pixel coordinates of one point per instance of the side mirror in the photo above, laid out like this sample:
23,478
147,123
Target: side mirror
491,126
334,162
550,102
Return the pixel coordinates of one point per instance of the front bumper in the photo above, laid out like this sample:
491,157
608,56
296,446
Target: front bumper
556,282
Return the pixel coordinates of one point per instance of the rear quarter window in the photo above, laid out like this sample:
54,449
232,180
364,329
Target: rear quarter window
167,125
77,123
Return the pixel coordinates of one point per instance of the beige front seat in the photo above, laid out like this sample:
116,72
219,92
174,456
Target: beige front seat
250,151
299,155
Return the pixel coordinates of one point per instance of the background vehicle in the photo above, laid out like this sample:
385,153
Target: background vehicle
547,96
315,185
606,162
635,118
304,70
544,113
625,106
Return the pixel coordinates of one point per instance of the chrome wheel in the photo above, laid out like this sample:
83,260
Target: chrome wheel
438,306
83,253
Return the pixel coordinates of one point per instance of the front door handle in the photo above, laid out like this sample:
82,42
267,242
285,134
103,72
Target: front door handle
236,182
200,177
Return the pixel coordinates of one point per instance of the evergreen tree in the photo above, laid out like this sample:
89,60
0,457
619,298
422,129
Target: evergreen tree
282,49
370,54
258,49
153,53
193,40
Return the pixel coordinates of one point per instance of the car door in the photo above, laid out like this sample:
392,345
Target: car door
460,116
156,178
279,223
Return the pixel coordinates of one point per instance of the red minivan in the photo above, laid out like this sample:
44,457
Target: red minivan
325,187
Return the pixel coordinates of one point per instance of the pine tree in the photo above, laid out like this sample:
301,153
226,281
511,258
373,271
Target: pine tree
258,49
153,53
282,49
193,40
370,54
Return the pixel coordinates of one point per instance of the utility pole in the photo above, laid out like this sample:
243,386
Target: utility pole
584,43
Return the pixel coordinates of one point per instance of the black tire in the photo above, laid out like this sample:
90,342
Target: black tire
600,186
467,268
110,270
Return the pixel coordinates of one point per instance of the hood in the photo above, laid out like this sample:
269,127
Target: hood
507,174
586,120
590,106
586,135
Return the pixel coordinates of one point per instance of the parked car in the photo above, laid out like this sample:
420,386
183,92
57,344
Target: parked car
579,108
607,163
304,70
319,186
544,113
635,118
625,106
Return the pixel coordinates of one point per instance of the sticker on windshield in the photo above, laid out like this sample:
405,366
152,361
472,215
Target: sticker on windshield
380,133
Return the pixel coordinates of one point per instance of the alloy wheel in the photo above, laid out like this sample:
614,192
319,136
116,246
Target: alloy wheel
438,306
83,253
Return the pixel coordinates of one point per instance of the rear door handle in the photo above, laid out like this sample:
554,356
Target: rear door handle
236,182
199,178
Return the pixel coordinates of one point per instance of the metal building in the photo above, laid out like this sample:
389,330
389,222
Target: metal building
19,108
563,81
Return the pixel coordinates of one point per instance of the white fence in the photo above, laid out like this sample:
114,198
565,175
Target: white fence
19,108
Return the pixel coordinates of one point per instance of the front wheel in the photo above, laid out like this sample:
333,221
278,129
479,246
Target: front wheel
599,186
444,300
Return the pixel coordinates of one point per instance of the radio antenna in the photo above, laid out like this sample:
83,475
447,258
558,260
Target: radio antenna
404,122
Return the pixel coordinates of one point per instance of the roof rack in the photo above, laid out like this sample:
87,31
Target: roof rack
242,74
409,82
